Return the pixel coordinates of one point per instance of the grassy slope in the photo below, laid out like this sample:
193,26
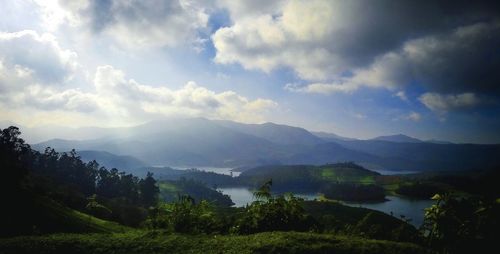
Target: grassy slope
53,217
159,242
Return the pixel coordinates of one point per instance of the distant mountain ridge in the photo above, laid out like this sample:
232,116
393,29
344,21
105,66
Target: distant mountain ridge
330,136
277,133
196,142
400,138
109,160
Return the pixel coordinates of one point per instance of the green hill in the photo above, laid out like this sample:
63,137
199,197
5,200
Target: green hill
160,242
307,178
43,215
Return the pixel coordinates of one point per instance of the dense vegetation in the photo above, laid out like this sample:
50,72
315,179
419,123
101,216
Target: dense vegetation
423,190
54,192
30,176
171,190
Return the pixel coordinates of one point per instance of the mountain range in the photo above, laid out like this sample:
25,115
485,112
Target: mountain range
216,143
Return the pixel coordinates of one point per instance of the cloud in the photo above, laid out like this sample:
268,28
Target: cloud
413,116
401,95
190,100
448,51
450,102
134,24
114,98
28,57
50,99
319,88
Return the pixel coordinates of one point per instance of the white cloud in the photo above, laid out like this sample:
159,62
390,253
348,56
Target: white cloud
133,24
413,116
28,57
444,103
401,95
117,99
189,100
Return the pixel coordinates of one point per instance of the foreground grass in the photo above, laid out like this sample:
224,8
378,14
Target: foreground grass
161,242
60,216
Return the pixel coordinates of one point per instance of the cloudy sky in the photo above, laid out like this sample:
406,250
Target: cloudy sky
429,69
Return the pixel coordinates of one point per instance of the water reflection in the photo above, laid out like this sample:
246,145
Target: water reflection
410,208
242,196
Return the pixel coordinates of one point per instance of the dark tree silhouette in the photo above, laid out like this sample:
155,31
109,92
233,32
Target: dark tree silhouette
149,190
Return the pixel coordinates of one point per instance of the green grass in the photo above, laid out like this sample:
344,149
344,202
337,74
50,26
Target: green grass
167,186
42,215
353,175
75,221
161,242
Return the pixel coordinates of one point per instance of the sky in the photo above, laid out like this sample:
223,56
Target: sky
428,69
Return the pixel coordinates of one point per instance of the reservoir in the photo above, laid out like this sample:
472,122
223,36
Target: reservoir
410,208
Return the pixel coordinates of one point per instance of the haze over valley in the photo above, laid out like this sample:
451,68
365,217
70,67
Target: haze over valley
250,126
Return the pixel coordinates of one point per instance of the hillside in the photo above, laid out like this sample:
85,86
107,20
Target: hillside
307,178
160,242
44,215
109,160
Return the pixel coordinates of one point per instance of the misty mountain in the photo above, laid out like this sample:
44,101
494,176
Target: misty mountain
436,141
428,156
399,138
276,133
330,137
201,142
182,142
123,162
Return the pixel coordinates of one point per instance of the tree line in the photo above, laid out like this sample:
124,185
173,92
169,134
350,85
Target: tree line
64,177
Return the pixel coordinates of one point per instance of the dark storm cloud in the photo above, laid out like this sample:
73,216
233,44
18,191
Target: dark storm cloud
445,46
379,26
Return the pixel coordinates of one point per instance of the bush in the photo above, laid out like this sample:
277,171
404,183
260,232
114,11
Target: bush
462,225
186,216
268,213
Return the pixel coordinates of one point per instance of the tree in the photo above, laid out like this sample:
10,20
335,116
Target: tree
461,225
149,190
268,213
12,150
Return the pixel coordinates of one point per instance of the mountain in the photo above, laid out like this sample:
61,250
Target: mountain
328,153
399,138
330,137
196,142
427,156
181,142
109,160
276,133
436,141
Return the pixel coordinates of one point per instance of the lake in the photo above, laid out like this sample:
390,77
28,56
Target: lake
410,208
242,196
